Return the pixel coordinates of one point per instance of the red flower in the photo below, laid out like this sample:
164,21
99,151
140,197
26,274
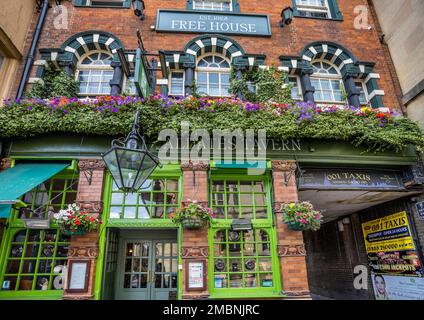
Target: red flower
380,115
91,219
77,222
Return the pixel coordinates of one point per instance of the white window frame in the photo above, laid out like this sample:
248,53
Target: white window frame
220,71
320,77
170,83
314,9
83,67
200,5
299,88
364,89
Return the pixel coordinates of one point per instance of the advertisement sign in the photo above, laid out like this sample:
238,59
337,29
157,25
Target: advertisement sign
396,262
388,287
207,22
350,179
390,233
420,210
140,76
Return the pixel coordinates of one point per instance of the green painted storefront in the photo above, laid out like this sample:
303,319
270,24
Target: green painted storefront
130,225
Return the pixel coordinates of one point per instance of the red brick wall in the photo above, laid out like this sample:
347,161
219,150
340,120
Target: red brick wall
290,244
364,44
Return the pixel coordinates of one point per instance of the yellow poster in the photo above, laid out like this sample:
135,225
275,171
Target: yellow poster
390,233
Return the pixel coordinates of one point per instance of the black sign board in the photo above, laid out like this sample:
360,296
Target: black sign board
350,179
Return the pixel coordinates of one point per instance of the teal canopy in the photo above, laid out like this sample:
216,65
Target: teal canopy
24,177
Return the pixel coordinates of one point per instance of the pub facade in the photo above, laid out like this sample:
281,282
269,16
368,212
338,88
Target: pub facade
136,49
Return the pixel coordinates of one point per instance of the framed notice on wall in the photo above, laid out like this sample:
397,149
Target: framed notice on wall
196,275
79,271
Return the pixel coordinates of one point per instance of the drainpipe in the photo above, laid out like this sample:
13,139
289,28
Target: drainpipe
34,43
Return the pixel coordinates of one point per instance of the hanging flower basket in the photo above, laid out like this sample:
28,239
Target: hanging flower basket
73,232
301,216
193,216
295,226
75,222
193,223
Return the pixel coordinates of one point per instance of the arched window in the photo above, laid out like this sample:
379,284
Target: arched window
94,73
328,83
213,76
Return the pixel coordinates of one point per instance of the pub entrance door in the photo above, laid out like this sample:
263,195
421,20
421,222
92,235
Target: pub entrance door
147,266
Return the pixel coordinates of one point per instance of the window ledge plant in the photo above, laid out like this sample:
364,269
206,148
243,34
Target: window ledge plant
74,221
193,216
379,130
300,216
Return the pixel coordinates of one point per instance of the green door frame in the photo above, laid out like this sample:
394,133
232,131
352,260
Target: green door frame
168,171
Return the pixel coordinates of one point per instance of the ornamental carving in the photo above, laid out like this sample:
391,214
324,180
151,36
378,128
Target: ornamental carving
5,163
91,164
94,207
195,252
278,207
291,250
284,165
195,166
83,252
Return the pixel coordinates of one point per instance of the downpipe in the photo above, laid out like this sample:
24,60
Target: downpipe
30,58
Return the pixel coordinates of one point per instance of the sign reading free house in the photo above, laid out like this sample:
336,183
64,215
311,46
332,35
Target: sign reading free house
211,22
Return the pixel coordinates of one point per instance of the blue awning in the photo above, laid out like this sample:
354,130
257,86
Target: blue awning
24,177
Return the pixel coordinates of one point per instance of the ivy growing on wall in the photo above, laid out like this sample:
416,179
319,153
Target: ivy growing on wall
54,84
114,116
269,84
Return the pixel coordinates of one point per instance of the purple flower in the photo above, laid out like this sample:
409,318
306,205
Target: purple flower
29,108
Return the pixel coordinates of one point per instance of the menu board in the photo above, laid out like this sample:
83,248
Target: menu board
78,276
196,275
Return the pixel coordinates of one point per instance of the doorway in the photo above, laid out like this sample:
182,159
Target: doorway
146,265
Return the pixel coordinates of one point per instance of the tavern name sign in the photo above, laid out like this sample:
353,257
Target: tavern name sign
224,23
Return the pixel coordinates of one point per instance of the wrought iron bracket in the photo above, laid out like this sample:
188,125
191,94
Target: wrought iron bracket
88,174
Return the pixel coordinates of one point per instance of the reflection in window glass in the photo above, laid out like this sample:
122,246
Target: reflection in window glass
233,199
156,199
242,259
35,261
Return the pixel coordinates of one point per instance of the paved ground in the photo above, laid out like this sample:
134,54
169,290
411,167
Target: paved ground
317,297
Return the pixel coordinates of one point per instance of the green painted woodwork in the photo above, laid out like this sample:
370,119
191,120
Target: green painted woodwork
247,194
42,250
23,177
336,14
312,151
170,172
60,146
30,259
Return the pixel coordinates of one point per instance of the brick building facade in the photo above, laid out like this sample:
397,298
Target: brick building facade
134,255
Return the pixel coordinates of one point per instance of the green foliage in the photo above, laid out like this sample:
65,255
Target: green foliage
377,131
193,211
270,85
55,84
302,216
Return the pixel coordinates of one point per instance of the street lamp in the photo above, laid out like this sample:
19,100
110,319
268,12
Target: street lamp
129,161
139,8
286,16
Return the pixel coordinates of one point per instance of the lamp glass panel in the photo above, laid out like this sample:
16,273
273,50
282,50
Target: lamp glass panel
111,161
